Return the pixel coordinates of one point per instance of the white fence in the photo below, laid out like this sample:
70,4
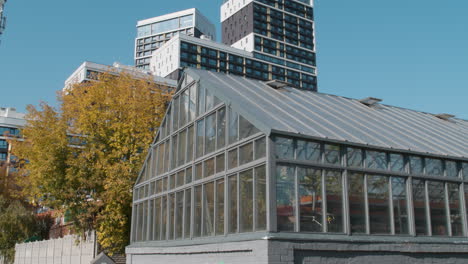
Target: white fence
56,251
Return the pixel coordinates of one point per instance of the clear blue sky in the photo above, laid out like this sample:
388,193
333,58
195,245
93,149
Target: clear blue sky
411,53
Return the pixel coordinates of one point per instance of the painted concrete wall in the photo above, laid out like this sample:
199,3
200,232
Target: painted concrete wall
290,252
56,251
248,252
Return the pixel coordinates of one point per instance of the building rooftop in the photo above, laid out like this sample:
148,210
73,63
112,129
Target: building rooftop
9,117
80,74
293,111
147,21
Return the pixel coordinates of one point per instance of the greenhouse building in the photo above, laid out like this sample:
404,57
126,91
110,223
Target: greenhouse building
245,171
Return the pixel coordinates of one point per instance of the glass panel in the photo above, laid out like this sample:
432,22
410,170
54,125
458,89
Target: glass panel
221,128
210,133
246,201
379,211
220,163
186,21
175,116
246,129
400,209
260,148
437,208
190,144
246,154
376,160
166,157
284,148
307,150
164,185
220,207
157,217
172,181
184,108
201,101
354,157
171,205
209,167
455,209
357,203
310,199
197,215
187,214
466,197
208,210
192,102
164,218
161,159
188,175
233,126
434,167
179,214
260,199
285,198
181,148
465,171
451,169
139,235
209,100
232,187
180,178
397,162
232,159
199,171
144,31
332,154
334,192
200,137
416,165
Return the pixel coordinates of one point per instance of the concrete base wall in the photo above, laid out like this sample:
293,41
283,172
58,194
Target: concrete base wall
248,252
362,253
292,252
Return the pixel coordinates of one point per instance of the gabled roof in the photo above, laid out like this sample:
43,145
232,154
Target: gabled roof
337,118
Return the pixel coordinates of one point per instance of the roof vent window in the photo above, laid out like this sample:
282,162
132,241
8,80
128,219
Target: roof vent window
370,101
445,116
277,84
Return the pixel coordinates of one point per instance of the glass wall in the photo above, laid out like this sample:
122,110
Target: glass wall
315,180
205,174
165,26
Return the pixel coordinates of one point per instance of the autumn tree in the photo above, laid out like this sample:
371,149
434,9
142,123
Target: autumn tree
85,157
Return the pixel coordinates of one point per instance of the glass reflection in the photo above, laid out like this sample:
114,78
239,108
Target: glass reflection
310,199
285,198
379,210
437,208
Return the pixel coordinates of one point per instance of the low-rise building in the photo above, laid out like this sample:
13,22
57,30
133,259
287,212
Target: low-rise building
245,171
89,71
11,122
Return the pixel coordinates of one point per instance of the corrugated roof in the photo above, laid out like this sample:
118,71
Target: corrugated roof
337,118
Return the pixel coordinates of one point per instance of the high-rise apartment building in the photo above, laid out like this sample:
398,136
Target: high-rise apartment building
276,31
2,16
152,33
185,51
265,40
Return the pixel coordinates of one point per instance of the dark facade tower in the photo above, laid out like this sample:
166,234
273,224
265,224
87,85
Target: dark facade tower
277,31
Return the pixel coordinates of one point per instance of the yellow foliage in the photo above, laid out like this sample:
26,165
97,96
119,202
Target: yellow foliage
113,121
